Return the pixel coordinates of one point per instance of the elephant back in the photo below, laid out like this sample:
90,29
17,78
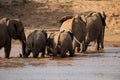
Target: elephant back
79,29
40,35
67,25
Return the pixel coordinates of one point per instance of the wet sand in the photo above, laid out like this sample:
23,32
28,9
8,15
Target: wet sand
89,66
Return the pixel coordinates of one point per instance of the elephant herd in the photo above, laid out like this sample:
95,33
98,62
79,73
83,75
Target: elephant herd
75,32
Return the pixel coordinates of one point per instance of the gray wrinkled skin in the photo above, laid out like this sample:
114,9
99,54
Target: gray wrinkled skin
60,43
36,43
77,26
11,29
95,29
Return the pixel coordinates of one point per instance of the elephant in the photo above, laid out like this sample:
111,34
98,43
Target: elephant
11,29
60,43
36,43
50,43
95,25
77,26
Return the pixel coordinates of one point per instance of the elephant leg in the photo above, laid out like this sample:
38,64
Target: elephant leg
102,41
102,38
63,54
76,46
102,45
28,51
78,49
35,55
7,49
55,52
48,51
83,46
98,45
43,53
86,45
71,51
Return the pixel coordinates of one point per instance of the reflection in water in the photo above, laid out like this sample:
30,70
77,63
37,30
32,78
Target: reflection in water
97,66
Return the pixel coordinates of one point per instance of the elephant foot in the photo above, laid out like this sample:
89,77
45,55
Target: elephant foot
101,50
83,51
78,49
63,55
6,56
71,55
20,55
42,56
35,56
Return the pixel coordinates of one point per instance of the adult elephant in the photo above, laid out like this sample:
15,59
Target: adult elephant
10,28
77,26
95,29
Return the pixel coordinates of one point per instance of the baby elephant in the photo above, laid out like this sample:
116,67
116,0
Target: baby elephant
60,43
36,42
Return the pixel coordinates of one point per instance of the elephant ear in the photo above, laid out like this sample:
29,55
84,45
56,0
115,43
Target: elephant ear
103,14
83,18
65,18
103,17
4,20
90,14
12,28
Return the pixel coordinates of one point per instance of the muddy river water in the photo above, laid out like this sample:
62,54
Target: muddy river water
88,66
